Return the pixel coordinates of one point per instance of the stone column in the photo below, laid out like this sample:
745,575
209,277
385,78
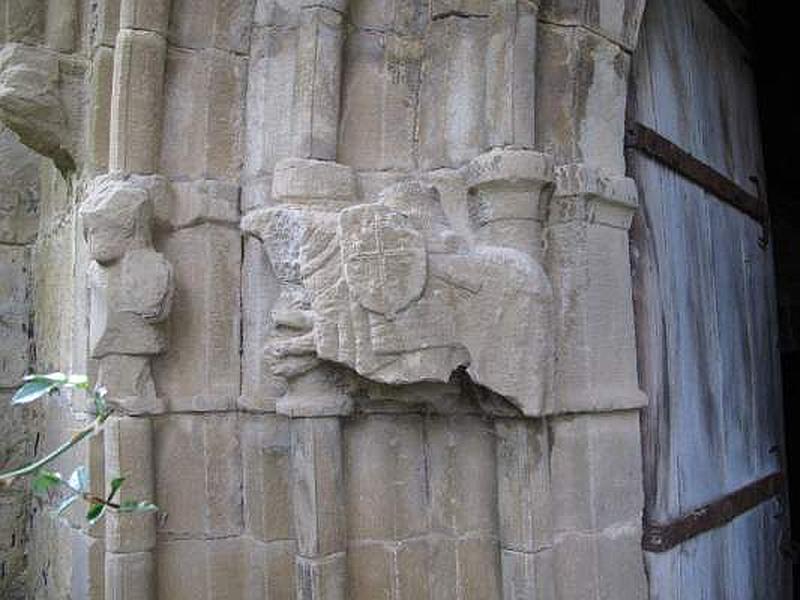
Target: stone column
312,400
134,143
595,448
509,194
510,73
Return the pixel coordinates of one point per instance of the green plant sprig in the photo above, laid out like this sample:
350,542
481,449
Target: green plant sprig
77,485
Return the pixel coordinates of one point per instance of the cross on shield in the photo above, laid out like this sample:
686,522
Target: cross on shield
383,256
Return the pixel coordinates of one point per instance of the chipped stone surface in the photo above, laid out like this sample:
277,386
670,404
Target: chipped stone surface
30,101
356,275
392,291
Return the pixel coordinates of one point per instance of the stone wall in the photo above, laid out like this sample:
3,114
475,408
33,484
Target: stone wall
460,422
19,200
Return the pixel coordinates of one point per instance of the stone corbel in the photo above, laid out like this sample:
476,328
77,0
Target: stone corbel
30,102
587,257
131,287
308,194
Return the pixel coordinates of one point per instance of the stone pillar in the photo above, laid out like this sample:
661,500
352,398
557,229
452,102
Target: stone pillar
509,194
587,255
132,284
510,73
318,79
312,399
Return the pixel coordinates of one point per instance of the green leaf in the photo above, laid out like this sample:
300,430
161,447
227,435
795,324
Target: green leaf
94,513
32,390
44,480
79,480
133,506
116,483
57,377
78,381
65,504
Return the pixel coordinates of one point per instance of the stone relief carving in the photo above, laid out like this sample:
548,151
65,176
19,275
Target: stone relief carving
391,290
130,286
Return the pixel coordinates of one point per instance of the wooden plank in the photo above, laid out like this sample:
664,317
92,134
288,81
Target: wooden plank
741,561
693,84
656,146
660,537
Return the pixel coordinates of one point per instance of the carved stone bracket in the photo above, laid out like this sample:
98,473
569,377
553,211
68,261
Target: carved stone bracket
392,291
130,285
587,257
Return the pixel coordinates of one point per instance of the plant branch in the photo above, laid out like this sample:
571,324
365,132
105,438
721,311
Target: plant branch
72,441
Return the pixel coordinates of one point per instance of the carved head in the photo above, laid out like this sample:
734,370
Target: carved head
419,202
116,219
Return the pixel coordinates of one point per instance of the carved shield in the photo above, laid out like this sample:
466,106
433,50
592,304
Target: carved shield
383,257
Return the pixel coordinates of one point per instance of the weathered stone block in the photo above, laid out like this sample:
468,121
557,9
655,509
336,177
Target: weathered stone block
316,84
462,568
588,257
223,24
479,568
270,570
266,448
414,570
31,103
270,97
399,16
201,569
203,100
130,576
600,565
88,567
523,481
510,76
318,493
590,492
326,578
461,465
136,103
581,95
200,202
61,24
14,314
260,388
23,21
385,472
378,125
198,474
276,13
528,576
19,190
129,454
200,369
370,572
452,95
99,120
618,21
14,518
105,22
308,180
441,9
148,15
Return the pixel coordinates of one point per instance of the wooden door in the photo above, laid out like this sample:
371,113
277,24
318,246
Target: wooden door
706,312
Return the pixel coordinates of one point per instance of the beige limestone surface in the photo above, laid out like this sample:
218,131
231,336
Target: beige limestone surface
356,276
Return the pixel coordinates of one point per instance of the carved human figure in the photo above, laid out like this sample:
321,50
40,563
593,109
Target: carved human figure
130,286
390,290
